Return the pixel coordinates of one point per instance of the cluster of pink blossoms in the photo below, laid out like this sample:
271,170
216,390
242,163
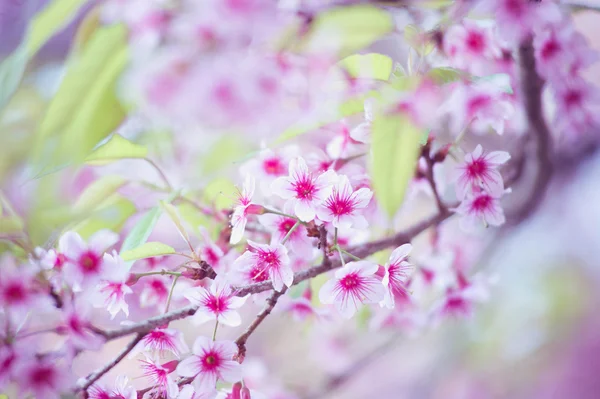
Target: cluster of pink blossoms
306,235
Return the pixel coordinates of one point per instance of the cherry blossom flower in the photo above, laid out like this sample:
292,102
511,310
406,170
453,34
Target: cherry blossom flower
84,265
122,390
298,240
303,189
354,284
20,292
239,218
110,294
161,340
43,378
471,47
269,165
211,361
343,205
160,376
218,303
480,172
397,272
210,252
480,208
49,259
154,291
577,102
263,260
188,392
77,327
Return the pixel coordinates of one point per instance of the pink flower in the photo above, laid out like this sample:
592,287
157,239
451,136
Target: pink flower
480,172
188,392
210,252
397,271
20,292
471,47
518,18
84,265
110,294
343,205
561,51
270,165
480,208
49,259
263,260
161,340
160,376
155,290
210,362
577,102
76,325
43,378
279,226
239,218
219,303
122,390
303,189
354,284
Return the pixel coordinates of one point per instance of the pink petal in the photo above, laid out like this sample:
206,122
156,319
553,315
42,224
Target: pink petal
304,210
327,293
205,382
230,318
189,367
362,197
200,344
400,253
231,371
102,240
497,157
71,244
283,187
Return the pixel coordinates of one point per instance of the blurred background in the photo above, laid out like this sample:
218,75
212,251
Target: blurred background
537,337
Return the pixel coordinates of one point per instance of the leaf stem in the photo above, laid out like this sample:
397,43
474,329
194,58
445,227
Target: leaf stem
289,233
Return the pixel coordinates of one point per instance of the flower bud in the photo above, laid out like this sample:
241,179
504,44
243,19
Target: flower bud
254,209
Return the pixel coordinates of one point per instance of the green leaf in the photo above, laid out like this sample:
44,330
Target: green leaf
142,230
418,39
116,148
147,250
174,215
368,66
97,192
85,109
395,152
49,21
111,214
11,72
445,75
345,30
11,225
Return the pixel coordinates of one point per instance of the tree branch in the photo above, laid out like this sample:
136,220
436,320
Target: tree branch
96,375
361,251
241,341
531,91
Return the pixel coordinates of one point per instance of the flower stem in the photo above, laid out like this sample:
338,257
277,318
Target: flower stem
161,273
214,336
171,293
289,233
341,255
335,234
349,254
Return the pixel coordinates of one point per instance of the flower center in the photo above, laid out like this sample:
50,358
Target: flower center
286,225
475,41
273,166
340,206
550,49
304,188
216,304
43,376
258,274
350,282
477,167
14,292
89,261
482,202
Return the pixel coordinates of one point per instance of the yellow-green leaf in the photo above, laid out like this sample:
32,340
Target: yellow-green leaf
55,16
117,147
97,192
174,215
11,72
147,250
85,109
142,230
368,66
345,30
111,214
445,75
10,225
220,192
395,152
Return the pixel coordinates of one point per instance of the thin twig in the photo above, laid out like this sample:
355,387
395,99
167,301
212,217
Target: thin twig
271,302
96,375
431,180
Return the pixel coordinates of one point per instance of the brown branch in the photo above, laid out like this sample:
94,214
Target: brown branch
429,176
241,341
361,251
531,91
96,375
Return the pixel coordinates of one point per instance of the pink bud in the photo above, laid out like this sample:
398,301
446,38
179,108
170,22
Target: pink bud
254,209
236,391
245,393
170,366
